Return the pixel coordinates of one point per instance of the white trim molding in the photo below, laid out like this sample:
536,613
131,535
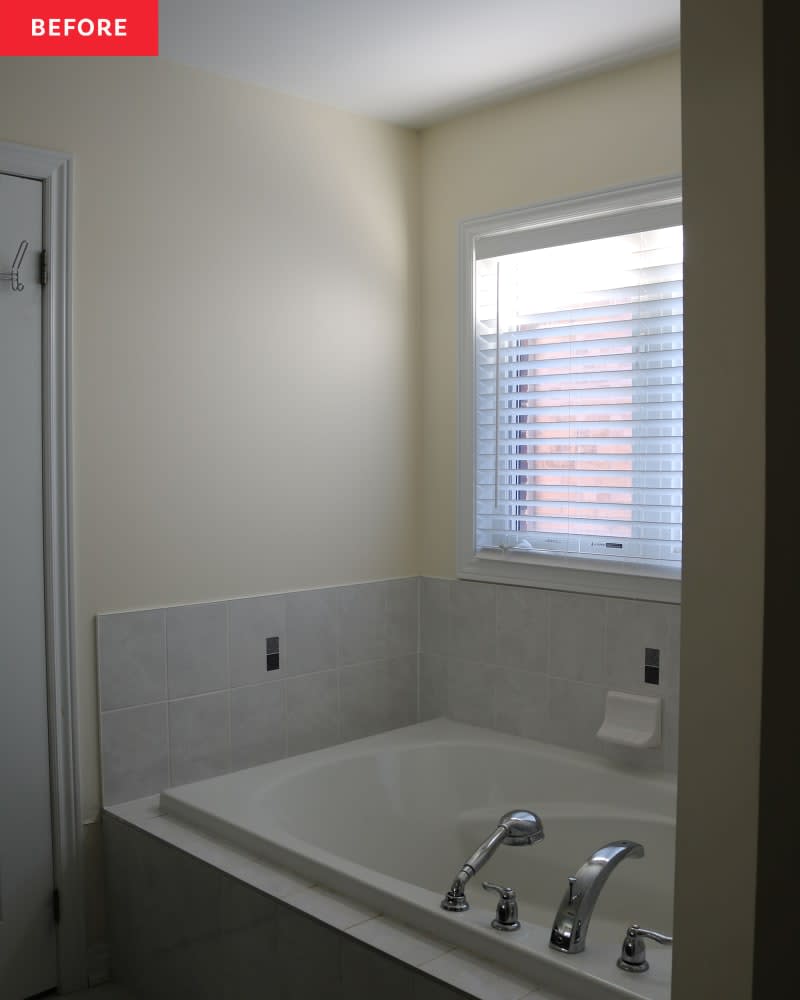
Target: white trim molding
55,172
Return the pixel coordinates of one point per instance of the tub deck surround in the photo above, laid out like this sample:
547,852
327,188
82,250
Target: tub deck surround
312,941
185,696
383,824
402,962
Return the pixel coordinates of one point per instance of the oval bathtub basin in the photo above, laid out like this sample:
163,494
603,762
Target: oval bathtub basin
388,820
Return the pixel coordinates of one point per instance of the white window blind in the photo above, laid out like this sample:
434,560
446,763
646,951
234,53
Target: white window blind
578,407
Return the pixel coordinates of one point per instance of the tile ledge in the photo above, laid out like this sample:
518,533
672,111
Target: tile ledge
325,905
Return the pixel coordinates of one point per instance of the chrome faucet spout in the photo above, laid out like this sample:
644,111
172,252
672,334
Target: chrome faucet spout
571,924
515,829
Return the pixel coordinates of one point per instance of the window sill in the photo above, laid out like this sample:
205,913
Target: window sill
546,575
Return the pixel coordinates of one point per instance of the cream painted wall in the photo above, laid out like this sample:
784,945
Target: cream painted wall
724,502
578,138
619,127
181,379
246,339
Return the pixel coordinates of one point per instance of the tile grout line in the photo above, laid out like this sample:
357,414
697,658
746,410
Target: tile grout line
420,642
166,703
292,899
228,658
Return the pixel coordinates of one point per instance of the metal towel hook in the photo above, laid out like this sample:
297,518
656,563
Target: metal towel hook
13,274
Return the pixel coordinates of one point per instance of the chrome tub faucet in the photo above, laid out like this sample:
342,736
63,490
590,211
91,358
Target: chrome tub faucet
515,829
634,955
571,924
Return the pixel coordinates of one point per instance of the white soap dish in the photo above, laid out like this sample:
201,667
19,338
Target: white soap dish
631,720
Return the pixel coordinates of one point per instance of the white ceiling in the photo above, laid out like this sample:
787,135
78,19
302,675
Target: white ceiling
412,62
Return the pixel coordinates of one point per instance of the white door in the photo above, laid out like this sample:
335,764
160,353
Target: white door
27,928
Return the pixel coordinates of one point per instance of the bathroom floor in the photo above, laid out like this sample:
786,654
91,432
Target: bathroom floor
108,991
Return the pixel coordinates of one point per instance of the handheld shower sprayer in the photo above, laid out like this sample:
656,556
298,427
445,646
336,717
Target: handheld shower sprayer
516,829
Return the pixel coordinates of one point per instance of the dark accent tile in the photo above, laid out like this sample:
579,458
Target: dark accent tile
273,661
273,644
651,674
254,620
652,657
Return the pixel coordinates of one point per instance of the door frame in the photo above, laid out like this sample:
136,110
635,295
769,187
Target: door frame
54,170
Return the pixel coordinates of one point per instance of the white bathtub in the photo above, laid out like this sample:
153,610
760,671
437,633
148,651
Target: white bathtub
388,820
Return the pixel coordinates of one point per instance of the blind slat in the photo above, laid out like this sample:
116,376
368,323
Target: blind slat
579,414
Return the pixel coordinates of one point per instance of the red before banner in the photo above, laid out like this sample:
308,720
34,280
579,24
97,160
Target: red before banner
79,28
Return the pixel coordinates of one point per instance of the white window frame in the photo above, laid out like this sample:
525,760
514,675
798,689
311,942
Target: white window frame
587,217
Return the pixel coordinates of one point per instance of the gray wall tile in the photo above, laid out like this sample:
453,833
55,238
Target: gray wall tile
435,616
370,973
520,702
298,938
633,626
402,607
197,966
312,711
166,936
312,634
469,692
577,637
208,648
251,621
363,699
473,621
426,988
181,930
375,697
404,689
258,724
363,623
244,908
595,641
575,713
131,658
250,956
191,912
121,876
135,754
432,686
197,649
522,628
199,737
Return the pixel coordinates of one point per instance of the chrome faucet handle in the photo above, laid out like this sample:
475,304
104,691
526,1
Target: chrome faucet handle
573,896
634,956
507,917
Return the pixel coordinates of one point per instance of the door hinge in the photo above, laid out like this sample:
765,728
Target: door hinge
44,273
56,906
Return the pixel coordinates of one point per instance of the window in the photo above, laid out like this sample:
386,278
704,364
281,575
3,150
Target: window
571,394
